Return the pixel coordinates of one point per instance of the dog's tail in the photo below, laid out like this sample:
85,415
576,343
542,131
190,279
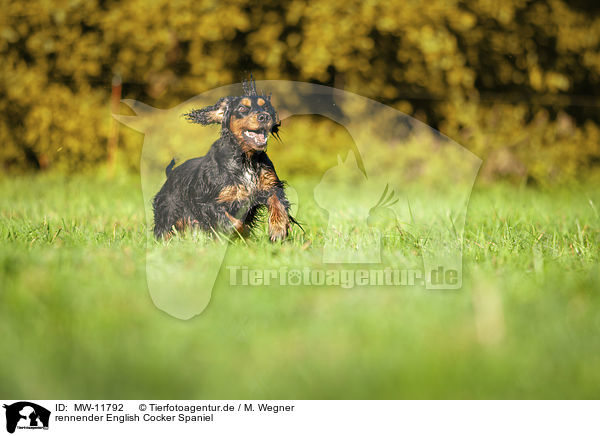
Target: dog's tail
169,168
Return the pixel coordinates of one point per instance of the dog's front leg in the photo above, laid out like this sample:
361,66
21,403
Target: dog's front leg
279,221
273,195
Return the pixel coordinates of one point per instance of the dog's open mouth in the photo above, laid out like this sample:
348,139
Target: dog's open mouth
257,137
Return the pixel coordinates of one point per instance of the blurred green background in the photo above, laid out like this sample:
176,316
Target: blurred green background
516,82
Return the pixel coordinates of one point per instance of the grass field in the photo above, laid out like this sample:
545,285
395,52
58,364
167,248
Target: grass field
76,319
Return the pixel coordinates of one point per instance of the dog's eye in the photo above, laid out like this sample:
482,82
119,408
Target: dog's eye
243,109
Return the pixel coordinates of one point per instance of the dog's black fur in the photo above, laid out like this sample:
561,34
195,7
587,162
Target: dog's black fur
224,190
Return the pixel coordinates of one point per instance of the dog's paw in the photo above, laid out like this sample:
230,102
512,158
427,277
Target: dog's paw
278,234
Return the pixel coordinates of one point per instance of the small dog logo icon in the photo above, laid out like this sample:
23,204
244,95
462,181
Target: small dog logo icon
26,415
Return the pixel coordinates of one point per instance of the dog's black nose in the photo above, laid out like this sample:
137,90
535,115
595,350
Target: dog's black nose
264,117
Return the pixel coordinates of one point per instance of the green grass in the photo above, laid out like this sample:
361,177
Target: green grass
76,319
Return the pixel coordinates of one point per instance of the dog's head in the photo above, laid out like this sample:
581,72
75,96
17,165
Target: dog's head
250,118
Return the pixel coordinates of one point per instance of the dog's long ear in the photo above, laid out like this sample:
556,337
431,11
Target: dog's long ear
211,114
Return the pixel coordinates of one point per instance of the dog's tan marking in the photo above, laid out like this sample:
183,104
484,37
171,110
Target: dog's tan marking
278,219
237,127
180,225
229,194
260,102
238,225
246,102
267,180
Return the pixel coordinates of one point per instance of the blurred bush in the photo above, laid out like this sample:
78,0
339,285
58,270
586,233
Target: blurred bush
515,81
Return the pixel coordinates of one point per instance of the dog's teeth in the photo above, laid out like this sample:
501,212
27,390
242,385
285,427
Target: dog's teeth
259,138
